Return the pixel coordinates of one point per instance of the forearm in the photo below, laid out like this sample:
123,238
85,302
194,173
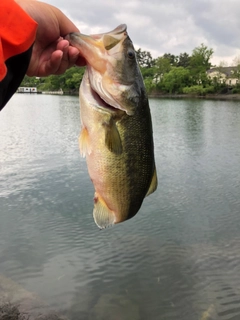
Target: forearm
17,34
24,22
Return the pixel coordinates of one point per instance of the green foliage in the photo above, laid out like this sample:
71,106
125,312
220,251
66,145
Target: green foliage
199,64
200,58
148,72
31,82
198,90
68,82
166,74
176,79
236,71
144,58
74,81
172,58
183,60
236,90
162,66
149,85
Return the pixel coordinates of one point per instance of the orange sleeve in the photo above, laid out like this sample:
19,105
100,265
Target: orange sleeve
17,32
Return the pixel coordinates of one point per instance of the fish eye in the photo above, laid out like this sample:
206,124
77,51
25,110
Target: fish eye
131,54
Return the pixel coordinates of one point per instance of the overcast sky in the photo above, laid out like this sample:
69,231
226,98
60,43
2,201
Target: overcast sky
164,26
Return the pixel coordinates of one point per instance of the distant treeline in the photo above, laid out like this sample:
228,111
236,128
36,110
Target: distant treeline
168,74
69,82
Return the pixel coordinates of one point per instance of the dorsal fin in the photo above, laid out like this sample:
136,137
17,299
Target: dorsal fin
120,29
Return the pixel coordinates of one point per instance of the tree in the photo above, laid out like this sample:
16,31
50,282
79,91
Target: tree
175,80
236,70
144,58
30,81
172,58
53,83
69,81
199,64
201,57
183,60
149,85
236,61
73,78
162,66
147,72
219,79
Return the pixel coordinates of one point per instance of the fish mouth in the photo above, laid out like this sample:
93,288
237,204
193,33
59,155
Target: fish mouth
101,103
103,99
95,99
107,87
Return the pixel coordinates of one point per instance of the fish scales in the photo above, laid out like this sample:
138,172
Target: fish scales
116,135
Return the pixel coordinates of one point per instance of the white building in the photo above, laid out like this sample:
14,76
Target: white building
227,75
27,90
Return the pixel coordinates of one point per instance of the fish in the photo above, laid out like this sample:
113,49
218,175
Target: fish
116,126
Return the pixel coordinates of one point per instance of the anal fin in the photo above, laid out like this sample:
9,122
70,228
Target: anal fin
84,143
154,183
103,216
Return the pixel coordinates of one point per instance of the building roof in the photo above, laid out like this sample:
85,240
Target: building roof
228,71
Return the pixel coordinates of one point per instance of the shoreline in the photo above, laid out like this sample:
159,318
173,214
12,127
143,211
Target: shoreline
217,96
235,97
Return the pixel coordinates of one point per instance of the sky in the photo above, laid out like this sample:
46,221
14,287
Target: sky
164,26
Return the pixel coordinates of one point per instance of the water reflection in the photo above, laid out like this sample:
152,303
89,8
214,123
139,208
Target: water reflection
178,258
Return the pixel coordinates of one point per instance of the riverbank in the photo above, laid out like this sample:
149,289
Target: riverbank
157,95
183,96
191,96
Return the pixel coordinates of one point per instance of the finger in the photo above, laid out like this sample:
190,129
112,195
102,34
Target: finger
69,56
69,53
59,63
73,55
52,65
63,45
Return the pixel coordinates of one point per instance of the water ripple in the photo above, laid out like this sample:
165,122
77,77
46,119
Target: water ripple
177,259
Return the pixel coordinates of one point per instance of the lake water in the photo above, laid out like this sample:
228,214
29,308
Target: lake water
177,259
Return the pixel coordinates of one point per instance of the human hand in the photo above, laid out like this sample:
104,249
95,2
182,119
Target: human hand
51,53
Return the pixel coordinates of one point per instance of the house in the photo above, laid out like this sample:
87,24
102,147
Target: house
27,90
227,75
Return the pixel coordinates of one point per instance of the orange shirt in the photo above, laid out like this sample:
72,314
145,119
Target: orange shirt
17,32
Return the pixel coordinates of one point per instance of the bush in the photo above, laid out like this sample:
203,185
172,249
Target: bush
236,90
198,90
149,85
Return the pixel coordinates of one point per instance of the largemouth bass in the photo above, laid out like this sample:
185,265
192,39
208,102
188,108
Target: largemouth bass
116,135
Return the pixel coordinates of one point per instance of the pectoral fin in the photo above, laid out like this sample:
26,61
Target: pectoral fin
103,216
154,182
84,143
112,138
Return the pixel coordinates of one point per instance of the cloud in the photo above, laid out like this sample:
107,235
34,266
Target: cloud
166,26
